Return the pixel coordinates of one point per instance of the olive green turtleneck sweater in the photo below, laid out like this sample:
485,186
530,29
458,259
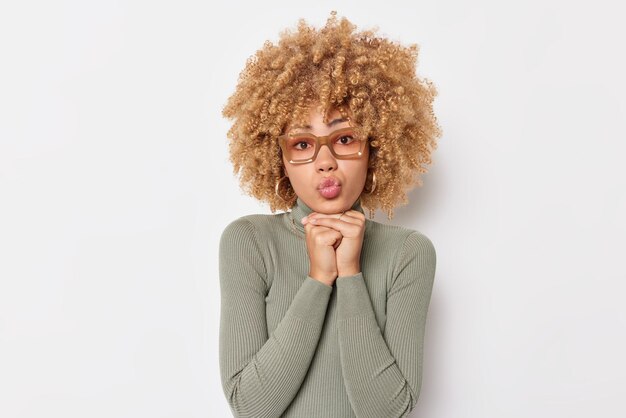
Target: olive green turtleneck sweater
292,346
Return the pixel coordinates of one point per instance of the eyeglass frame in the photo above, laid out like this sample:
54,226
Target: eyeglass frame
322,140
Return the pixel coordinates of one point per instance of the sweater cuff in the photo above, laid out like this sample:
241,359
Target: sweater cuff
311,301
353,299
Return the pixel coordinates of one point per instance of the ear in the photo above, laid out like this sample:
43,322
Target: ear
371,151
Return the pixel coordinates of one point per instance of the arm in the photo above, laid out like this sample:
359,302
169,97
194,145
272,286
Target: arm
383,372
261,374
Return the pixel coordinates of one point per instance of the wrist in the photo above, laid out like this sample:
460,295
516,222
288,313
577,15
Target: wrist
326,278
349,271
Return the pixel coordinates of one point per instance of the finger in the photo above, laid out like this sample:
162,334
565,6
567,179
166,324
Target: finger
331,237
351,216
309,228
324,215
326,236
354,214
327,215
314,230
346,228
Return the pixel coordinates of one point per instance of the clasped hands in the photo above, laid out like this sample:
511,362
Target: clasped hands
334,243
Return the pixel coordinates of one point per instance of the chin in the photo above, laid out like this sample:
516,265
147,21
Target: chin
336,205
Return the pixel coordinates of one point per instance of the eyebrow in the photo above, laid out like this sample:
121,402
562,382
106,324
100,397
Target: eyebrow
332,123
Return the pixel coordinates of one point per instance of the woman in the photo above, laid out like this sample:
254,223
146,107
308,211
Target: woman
323,311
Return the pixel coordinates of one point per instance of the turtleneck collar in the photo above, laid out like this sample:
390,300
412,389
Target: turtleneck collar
301,209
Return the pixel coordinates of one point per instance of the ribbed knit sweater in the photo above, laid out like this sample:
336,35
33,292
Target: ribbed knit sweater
292,346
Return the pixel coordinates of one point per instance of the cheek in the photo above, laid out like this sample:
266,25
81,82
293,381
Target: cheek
362,167
297,176
357,171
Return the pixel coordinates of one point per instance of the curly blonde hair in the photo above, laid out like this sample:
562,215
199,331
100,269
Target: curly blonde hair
371,78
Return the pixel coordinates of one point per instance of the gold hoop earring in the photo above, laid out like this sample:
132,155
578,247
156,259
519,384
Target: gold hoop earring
277,188
373,187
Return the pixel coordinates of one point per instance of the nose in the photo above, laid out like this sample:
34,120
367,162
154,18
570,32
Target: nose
325,161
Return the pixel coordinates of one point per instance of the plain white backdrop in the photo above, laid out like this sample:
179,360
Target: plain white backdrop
115,186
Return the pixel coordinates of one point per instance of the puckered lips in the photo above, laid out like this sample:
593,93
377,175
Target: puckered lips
329,187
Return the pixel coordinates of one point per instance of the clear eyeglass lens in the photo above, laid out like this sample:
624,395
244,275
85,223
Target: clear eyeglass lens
302,147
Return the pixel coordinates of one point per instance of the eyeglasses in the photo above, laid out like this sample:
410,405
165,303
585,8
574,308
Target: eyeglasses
303,147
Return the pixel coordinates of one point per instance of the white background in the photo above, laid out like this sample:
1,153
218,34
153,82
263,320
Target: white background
115,186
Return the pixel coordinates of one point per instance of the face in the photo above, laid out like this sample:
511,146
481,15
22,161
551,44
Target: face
327,185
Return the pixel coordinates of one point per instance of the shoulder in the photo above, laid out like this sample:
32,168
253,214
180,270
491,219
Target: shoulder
418,245
407,244
399,234
249,229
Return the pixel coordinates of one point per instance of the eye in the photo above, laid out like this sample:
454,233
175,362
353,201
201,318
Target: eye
301,145
345,139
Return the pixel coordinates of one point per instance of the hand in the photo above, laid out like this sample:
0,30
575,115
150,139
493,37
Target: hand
321,243
351,226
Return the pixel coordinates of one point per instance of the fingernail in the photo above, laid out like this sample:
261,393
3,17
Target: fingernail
303,220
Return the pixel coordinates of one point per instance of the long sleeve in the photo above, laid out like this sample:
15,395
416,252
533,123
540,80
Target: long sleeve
262,374
383,371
